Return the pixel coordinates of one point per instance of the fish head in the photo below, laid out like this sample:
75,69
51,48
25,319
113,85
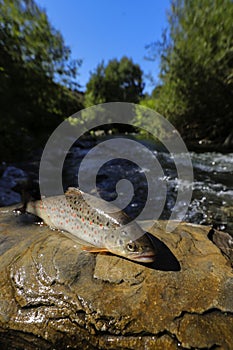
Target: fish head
131,242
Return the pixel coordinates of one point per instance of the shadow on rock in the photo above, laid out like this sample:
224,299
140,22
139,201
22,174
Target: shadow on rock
165,259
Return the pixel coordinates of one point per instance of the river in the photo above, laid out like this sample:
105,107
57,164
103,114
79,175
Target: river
212,188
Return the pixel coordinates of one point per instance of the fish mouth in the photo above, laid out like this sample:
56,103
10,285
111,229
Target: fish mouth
145,258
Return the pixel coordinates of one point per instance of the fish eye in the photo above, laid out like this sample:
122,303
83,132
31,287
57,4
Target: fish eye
131,246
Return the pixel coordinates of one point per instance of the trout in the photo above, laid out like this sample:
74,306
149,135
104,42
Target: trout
89,221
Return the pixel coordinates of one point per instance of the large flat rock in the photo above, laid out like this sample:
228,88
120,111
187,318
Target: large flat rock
53,295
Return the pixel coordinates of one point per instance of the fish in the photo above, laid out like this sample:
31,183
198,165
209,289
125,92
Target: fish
104,228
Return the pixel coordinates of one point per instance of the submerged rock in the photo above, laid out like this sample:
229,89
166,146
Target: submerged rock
55,296
11,177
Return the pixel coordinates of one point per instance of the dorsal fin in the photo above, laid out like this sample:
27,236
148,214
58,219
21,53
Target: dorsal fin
73,191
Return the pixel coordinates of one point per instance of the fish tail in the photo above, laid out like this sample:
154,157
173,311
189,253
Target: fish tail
24,188
26,198
31,207
26,207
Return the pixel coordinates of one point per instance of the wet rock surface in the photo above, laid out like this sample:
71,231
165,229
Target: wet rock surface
53,295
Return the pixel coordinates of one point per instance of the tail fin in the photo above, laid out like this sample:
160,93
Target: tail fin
23,188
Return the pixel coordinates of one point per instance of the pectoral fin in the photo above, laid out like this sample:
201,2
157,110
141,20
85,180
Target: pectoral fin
94,249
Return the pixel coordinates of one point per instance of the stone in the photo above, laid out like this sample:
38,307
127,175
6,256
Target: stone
10,179
53,295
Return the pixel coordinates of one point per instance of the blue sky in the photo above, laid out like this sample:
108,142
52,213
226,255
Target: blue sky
99,30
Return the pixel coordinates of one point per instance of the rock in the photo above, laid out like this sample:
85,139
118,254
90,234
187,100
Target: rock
53,295
224,241
8,196
229,141
10,178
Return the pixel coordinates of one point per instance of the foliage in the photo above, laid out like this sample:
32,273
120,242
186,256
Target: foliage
149,103
37,76
197,68
118,81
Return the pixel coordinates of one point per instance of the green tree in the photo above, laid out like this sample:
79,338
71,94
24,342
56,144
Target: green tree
117,81
37,77
197,68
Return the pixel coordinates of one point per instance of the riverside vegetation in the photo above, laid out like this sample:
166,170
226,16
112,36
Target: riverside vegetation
38,76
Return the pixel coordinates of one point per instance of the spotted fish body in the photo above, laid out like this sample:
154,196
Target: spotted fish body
86,218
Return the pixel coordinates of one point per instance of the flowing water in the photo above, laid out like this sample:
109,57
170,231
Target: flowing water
212,187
